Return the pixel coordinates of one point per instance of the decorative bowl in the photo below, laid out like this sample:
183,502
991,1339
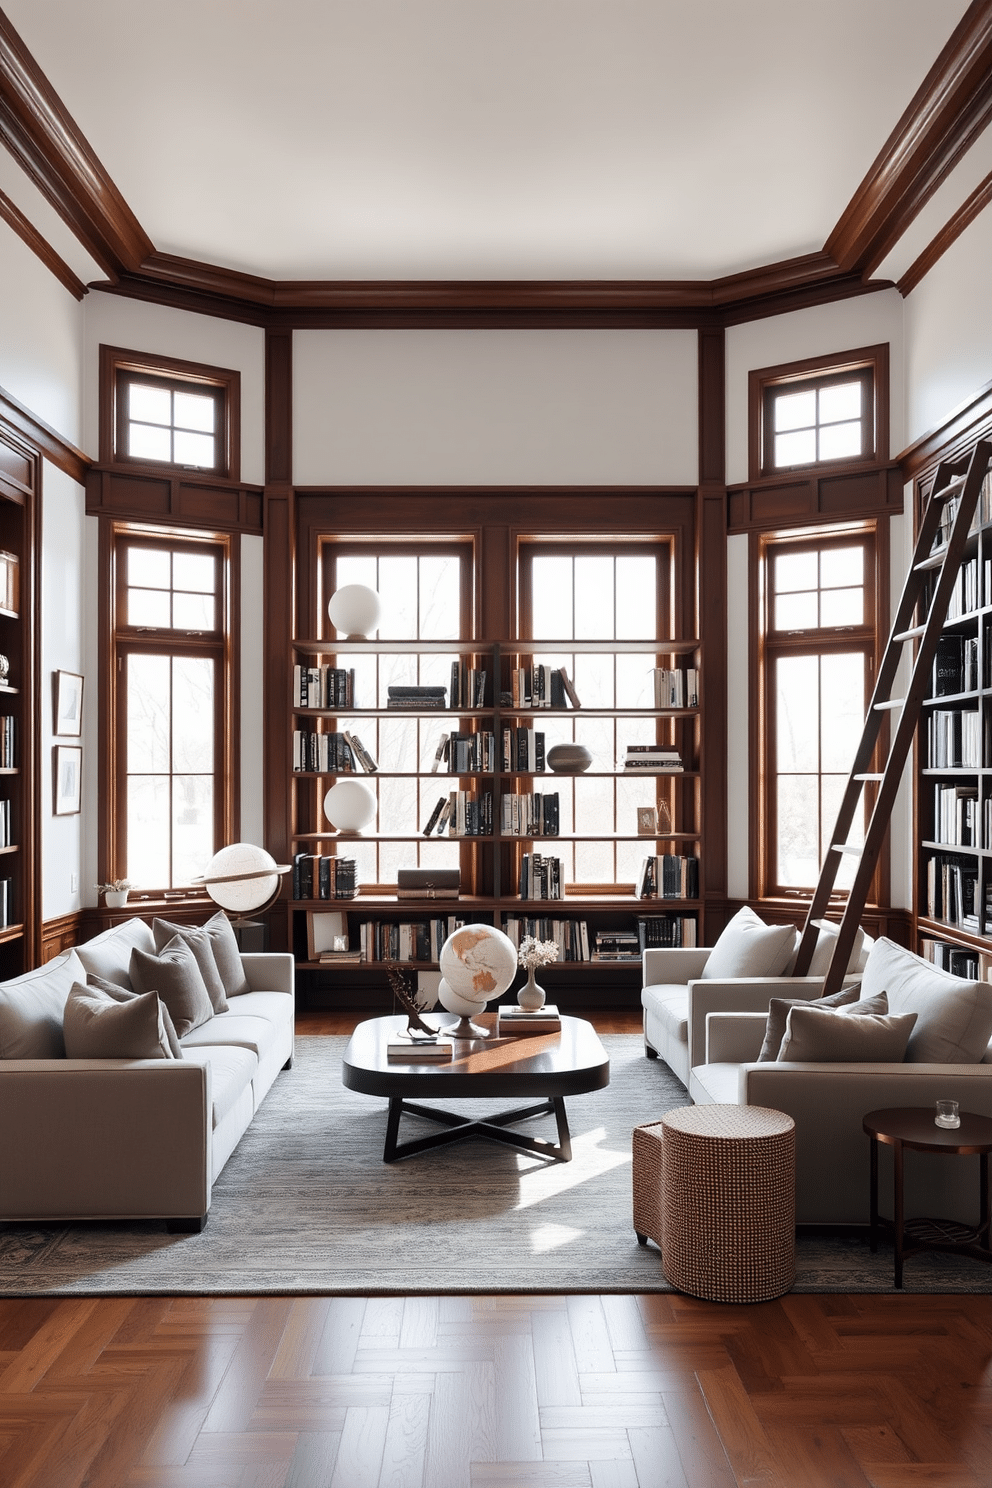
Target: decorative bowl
569,759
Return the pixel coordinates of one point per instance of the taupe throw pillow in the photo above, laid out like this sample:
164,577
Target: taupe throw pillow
201,945
217,938
830,1036
122,994
778,1013
99,1025
175,976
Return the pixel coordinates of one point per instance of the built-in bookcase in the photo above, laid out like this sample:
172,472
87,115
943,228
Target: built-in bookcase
538,851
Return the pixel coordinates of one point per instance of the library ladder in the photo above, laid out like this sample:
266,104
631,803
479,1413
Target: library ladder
950,510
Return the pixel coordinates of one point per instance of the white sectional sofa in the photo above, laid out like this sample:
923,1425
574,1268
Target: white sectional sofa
125,1138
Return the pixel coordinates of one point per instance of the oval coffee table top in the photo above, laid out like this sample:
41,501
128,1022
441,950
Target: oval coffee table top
548,1064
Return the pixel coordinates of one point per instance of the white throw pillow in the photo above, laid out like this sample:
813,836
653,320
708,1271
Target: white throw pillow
954,1016
750,948
823,951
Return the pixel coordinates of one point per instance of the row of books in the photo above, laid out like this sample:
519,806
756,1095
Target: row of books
668,876
541,686
955,815
323,687
955,667
530,814
317,876
665,930
5,827
523,750
570,936
952,891
466,753
954,739
462,814
331,753
7,757
653,759
955,959
468,686
676,687
406,940
540,877
7,902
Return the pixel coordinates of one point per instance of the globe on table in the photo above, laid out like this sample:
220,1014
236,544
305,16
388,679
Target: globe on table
242,878
478,963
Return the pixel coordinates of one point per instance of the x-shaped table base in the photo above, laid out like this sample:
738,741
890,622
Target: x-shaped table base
493,1129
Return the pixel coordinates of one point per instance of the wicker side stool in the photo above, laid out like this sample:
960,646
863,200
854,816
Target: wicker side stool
646,1174
726,1212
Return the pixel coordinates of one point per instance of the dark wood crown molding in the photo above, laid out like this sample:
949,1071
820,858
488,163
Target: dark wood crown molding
43,438
45,141
949,233
947,114
28,234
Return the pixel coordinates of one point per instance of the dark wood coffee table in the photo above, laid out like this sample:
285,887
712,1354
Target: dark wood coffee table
900,1127
550,1066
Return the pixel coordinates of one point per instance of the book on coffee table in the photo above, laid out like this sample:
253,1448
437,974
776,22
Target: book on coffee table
406,1048
517,1020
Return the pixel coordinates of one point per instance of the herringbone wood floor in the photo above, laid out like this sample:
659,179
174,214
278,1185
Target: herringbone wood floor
489,1392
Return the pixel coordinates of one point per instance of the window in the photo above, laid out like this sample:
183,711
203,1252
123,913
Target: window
817,663
820,413
162,412
171,705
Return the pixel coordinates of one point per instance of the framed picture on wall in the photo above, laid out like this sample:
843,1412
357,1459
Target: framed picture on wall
67,760
68,703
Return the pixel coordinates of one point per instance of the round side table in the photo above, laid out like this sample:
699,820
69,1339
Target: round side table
900,1127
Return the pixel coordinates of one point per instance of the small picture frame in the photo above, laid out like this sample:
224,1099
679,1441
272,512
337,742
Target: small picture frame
67,770
325,932
647,821
67,695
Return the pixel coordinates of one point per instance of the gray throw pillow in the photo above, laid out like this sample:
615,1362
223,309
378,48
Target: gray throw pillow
201,945
750,948
224,949
122,994
835,1036
778,1013
99,1025
32,1007
175,976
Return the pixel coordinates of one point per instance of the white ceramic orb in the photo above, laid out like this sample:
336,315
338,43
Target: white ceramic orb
350,805
478,961
462,1007
356,610
239,895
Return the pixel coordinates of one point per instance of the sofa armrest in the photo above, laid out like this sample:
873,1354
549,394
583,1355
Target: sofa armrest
104,1138
270,971
666,965
734,1038
739,995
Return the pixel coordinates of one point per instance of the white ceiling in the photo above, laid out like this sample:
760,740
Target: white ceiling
487,139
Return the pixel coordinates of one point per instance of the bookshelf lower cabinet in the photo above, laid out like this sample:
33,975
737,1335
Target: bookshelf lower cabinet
601,856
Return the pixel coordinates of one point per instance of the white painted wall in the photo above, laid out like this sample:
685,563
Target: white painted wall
112,320
819,331
494,407
40,339
65,645
949,330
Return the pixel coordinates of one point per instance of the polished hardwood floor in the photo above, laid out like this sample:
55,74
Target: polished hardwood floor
496,1392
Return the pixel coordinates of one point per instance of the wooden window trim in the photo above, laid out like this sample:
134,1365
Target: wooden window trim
115,360
873,360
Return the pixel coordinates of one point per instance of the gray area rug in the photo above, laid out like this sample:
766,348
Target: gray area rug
306,1205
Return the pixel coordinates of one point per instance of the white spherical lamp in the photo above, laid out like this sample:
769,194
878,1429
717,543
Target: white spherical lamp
349,806
356,610
478,963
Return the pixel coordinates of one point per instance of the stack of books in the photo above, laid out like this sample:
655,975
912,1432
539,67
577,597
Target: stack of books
515,1020
416,698
653,759
408,1048
617,945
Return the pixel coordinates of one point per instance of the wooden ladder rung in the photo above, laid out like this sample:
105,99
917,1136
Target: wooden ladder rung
910,635
935,560
869,777
847,847
892,703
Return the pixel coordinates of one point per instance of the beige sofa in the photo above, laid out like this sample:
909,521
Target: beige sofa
131,1138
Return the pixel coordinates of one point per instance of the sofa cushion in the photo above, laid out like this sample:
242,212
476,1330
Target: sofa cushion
32,1007
100,1025
836,1035
108,955
954,1016
823,951
246,1030
121,994
750,948
670,1005
200,943
232,1070
175,976
778,1014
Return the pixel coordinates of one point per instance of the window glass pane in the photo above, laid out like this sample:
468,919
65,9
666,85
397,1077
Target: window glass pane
148,711
840,401
194,449
195,571
797,713
636,598
794,571
194,411
831,793
357,568
840,442
440,609
148,834
551,597
149,567
397,589
795,612
194,612
798,859
843,682
193,714
148,607
147,443
795,410
842,607
192,826
151,405
795,449
594,597
842,567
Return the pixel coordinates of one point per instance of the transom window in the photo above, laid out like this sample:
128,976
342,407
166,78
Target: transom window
158,411
819,420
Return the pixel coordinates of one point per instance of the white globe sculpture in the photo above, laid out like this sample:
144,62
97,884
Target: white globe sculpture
243,878
350,805
478,963
356,610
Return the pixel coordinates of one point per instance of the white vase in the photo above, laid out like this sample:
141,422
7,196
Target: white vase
116,898
530,996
